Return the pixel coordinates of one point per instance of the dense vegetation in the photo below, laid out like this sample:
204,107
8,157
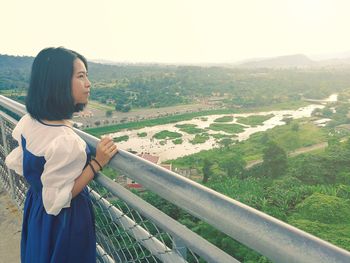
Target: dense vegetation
310,191
127,86
159,86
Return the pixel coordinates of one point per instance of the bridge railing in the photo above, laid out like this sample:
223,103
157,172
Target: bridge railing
129,229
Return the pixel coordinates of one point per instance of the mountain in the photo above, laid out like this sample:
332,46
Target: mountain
14,71
16,62
298,61
107,62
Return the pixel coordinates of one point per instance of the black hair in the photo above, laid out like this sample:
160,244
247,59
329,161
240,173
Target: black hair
49,95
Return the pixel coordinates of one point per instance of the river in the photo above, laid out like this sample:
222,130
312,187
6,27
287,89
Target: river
168,150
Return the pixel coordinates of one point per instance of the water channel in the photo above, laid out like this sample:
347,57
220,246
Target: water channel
167,150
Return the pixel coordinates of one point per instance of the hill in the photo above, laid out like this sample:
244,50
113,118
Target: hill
298,60
295,61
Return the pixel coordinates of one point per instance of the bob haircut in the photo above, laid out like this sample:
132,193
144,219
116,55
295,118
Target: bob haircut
49,95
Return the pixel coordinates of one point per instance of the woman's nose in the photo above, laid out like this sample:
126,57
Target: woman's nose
88,83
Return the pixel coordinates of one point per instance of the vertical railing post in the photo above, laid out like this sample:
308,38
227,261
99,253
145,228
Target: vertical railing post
10,175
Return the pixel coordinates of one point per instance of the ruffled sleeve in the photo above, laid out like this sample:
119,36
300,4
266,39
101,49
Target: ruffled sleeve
65,161
14,160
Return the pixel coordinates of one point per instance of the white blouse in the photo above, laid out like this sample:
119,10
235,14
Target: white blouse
65,157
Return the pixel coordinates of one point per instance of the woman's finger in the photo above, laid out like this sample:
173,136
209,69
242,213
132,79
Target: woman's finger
107,148
114,152
109,144
112,147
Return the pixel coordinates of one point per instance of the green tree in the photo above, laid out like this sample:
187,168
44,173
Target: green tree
122,107
274,160
207,170
233,165
295,127
226,142
109,113
309,169
264,139
327,112
287,120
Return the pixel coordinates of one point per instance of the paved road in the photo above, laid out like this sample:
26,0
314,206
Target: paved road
10,229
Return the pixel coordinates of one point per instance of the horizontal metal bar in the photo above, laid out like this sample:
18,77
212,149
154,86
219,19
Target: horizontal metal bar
197,244
103,255
9,118
157,248
271,237
13,106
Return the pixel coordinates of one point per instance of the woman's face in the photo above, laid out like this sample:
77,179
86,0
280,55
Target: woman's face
80,83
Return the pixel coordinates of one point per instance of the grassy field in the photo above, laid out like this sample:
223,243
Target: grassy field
308,134
189,128
177,141
166,135
200,138
121,138
254,120
220,136
142,134
224,119
229,128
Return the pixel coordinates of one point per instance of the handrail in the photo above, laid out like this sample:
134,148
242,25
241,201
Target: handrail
202,247
271,237
152,244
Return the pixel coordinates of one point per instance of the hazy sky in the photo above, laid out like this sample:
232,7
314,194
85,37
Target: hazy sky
176,30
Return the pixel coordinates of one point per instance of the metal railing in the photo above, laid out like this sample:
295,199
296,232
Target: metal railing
129,229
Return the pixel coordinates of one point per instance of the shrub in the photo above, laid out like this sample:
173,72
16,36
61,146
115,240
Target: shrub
324,208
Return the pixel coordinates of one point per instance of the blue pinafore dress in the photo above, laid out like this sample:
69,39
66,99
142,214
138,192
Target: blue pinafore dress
56,227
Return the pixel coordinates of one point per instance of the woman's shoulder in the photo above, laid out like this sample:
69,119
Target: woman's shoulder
40,138
67,142
20,126
37,128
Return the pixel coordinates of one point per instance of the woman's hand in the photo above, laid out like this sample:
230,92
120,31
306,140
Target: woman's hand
105,150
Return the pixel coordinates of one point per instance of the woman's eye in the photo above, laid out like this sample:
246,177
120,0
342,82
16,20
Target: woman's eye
81,76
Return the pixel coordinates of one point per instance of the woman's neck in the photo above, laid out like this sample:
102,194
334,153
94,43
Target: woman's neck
59,122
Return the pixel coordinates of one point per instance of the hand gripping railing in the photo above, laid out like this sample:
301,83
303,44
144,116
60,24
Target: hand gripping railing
276,240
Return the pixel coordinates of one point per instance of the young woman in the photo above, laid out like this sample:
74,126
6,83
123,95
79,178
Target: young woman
58,221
